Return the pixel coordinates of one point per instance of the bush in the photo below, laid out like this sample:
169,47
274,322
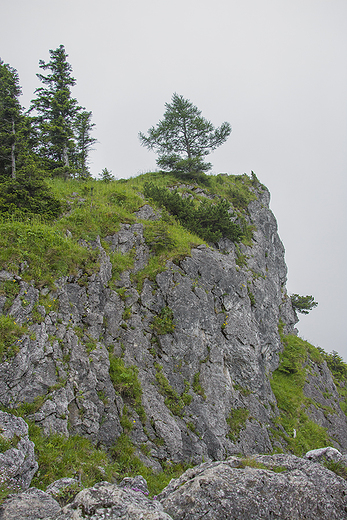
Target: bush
209,221
26,197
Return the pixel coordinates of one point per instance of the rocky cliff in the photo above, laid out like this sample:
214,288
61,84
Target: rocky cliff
179,362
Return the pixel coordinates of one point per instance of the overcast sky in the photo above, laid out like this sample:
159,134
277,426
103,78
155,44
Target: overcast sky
275,69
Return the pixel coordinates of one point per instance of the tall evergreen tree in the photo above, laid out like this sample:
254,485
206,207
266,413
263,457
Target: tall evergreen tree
84,141
56,110
11,119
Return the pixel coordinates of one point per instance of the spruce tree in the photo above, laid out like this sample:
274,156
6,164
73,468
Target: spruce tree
84,142
56,110
11,119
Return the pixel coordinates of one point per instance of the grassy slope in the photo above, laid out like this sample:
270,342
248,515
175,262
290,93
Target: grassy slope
288,384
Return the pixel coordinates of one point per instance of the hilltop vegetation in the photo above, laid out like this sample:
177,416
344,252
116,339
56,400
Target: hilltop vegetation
47,249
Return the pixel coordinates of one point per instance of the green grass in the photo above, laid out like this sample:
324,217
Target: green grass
198,389
75,456
173,400
128,464
236,422
47,251
10,336
287,384
126,383
52,248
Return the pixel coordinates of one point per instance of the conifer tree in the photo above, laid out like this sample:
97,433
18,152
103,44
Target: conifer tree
84,141
183,137
56,110
11,119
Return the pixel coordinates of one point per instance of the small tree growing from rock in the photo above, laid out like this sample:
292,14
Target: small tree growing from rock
303,304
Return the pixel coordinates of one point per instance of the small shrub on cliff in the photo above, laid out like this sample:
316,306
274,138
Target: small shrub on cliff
209,221
124,378
303,304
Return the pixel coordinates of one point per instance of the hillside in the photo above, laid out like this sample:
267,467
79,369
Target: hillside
144,331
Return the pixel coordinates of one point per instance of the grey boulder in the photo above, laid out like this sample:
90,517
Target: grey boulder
267,487
32,504
105,500
17,464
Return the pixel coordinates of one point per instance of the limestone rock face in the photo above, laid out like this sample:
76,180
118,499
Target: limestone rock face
217,355
283,486
17,464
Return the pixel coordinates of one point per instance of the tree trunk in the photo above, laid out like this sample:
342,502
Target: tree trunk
13,146
65,157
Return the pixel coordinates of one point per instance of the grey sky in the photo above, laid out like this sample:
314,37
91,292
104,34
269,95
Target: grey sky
275,69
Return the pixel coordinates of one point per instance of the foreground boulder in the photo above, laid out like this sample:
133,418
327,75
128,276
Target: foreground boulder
17,463
32,504
266,487
126,501
105,500
282,487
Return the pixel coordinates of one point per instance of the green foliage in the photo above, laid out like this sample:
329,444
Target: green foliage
56,111
15,127
236,421
251,296
303,304
337,467
83,127
209,221
106,176
25,197
10,334
10,289
183,137
163,322
244,391
336,364
124,379
252,463
158,237
287,384
6,443
67,494
74,456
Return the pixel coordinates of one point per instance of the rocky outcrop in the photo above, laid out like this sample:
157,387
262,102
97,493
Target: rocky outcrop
202,334
17,463
277,486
